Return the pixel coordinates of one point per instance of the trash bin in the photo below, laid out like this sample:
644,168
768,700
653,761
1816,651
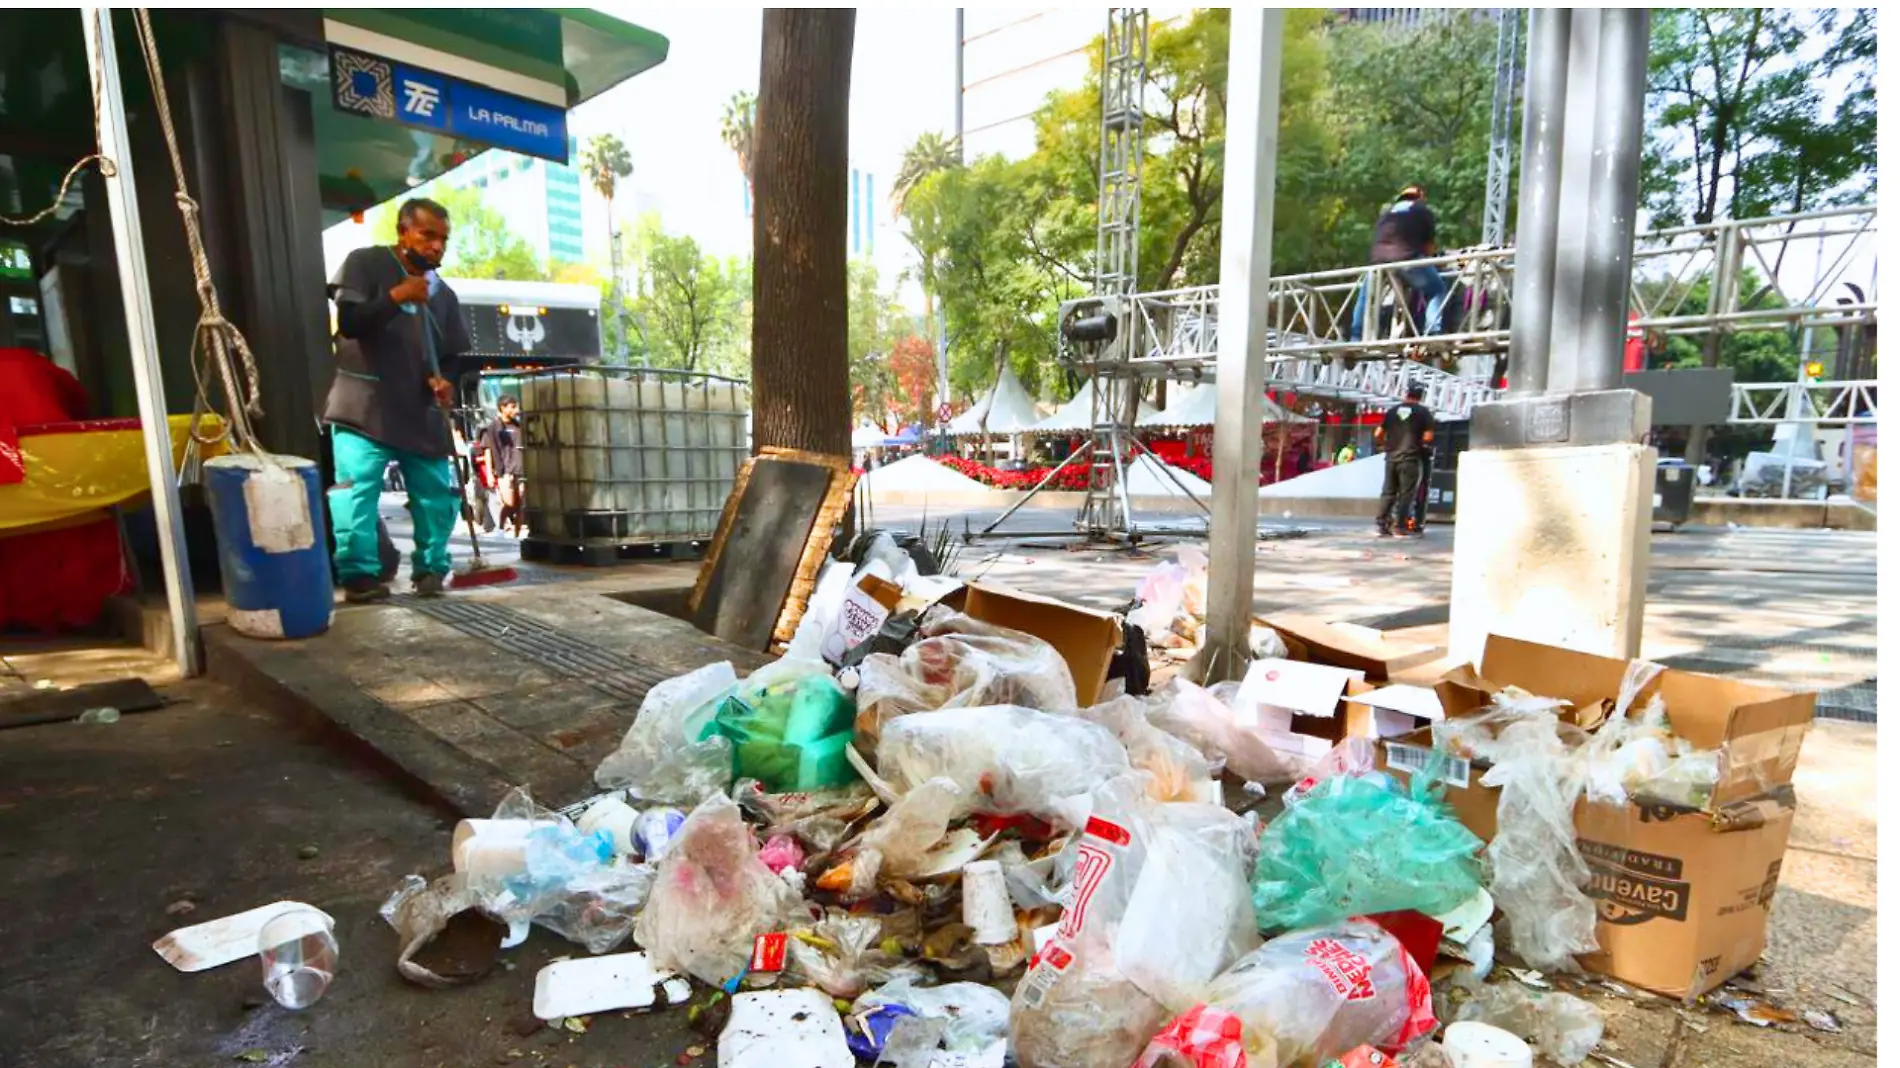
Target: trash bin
1675,492
268,512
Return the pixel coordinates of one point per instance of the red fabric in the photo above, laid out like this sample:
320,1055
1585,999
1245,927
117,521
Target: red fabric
33,389
57,580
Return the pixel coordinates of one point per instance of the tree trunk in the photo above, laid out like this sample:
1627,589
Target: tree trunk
801,380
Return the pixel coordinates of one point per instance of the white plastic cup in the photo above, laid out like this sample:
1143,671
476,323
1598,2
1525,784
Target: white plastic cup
986,908
614,816
1471,1044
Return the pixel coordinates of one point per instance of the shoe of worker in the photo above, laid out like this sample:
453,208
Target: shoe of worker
364,591
428,585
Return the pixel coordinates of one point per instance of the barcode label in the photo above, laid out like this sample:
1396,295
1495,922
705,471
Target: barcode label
1412,759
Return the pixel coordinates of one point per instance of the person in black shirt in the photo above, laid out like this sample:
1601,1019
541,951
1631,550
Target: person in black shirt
1406,435
399,333
1407,231
499,447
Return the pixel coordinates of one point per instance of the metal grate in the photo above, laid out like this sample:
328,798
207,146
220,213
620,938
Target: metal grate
612,673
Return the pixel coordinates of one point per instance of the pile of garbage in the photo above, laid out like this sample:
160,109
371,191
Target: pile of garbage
927,837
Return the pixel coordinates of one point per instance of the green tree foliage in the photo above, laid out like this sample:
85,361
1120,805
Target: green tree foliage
690,310
1755,355
874,322
1738,124
736,129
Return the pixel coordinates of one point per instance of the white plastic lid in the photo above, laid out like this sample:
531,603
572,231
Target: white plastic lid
1471,1044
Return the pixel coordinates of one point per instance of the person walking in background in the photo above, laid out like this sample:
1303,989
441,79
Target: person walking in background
399,329
1407,231
1406,436
499,448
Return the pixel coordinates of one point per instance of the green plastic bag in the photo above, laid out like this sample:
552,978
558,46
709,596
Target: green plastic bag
1354,847
790,736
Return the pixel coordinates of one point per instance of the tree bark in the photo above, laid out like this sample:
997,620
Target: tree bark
801,380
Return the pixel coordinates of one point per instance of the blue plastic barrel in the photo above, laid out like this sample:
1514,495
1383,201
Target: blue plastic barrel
271,546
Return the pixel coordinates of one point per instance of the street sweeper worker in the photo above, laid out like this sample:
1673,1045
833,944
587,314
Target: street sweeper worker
399,335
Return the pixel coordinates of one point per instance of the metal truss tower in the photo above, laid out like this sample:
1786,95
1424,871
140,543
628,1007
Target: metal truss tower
1105,511
1497,181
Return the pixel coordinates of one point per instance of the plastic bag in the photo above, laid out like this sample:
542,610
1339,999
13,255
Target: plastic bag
842,956
977,1016
569,882
834,583
959,662
1314,994
1562,1026
1003,759
822,819
1202,1037
781,852
713,896
1203,720
789,733
1095,994
662,757
897,841
1178,771
419,911
1537,872
1352,847
599,908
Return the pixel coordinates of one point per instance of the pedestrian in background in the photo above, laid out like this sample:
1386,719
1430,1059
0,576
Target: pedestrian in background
1406,436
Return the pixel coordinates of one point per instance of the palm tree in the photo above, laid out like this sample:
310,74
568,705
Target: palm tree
606,161
933,152
736,129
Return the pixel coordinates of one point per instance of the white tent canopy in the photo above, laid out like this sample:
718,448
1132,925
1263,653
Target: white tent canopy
1195,407
1079,413
1006,407
867,437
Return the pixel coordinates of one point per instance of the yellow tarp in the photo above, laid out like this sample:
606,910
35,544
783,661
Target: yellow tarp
71,476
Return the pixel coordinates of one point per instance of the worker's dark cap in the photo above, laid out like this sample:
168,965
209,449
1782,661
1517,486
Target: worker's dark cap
1414,392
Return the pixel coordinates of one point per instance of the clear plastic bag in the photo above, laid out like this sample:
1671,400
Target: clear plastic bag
959,662
1178,771
977,1016
1562,1026
1003,759
1313,994
834,584
822,819
1203,719
842,956
1537,872
599,908
712,897
419,911
1094,995
896,841
570,883
1352,847
661,758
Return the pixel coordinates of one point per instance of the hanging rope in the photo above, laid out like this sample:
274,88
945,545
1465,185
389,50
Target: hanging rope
216,338
106,168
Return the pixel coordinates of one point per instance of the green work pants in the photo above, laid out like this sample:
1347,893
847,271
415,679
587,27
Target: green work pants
433,502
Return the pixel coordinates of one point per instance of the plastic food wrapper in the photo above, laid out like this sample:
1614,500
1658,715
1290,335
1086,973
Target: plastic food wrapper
1204,720
419,911
1355,757
712,897
1537,872
662,757
1003,759
1311,995
841,955
976,1016
1125,951
1202,1037
1173,600
570,883
1351,847
1178,771
898,840
821,819
781,852
789,731
1562,1026
959,662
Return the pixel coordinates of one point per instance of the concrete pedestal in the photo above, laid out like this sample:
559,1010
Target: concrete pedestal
1552,545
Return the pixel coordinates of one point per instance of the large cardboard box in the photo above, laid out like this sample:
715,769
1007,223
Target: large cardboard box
1087,639
1344,645
1682,895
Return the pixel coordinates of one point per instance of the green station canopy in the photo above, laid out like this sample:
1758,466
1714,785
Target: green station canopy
557,57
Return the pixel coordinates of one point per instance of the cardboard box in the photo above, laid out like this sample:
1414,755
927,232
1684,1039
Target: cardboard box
1343,645
1682,895
1298,707
1087,639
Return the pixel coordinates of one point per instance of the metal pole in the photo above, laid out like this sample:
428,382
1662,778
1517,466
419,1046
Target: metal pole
135,286
1573,200
1622,79
1547,69
962,157
1253,121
